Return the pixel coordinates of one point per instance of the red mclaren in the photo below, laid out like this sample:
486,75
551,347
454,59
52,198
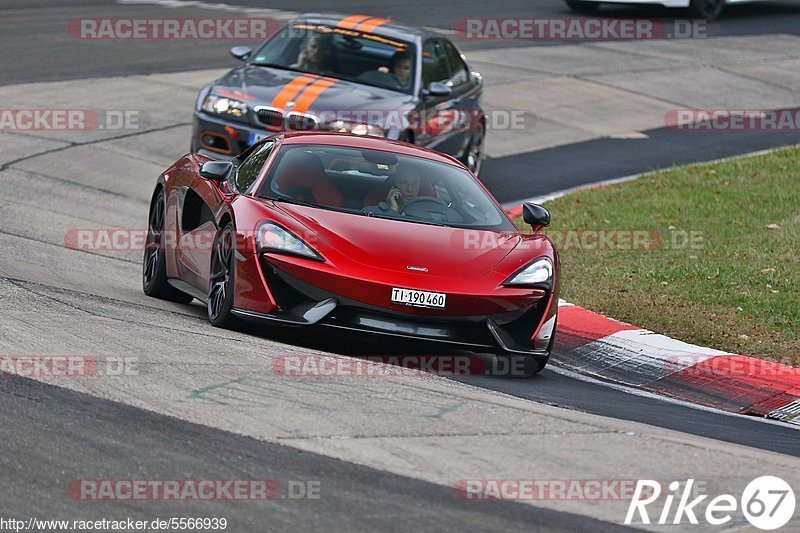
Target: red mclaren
357,233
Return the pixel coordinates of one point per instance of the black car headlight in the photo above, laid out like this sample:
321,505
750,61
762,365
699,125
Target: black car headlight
538,273
272,238
220,105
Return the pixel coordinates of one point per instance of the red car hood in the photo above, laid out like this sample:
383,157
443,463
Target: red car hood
396,245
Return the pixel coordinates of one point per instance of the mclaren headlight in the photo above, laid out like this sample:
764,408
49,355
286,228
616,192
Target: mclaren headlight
356,128
539,272
220,105
272,238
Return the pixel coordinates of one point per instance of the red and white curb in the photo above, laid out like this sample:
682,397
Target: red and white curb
592,344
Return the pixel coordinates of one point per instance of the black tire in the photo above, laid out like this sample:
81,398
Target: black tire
521,366
530,366
221,283
154,262
706,9
473,159
584,8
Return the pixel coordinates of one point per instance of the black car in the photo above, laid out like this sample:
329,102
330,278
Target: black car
357,74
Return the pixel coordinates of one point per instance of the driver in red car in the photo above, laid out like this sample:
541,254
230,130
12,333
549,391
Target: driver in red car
405,187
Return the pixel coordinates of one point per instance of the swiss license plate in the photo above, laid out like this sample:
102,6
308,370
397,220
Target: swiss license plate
418,298
255,137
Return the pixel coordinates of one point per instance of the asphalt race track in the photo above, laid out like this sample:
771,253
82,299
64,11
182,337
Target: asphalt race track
203,403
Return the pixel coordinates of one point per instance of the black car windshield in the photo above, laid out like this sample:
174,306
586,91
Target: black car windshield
340,53
382,184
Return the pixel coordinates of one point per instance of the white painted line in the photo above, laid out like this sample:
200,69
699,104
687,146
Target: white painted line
629,135
651,395
789,413
260,11
443,31
634,339
213,6
558,194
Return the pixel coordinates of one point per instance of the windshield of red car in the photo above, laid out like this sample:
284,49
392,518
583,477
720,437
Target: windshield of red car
345,54
382,184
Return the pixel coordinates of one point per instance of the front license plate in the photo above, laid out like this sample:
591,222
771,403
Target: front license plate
434,300
255,137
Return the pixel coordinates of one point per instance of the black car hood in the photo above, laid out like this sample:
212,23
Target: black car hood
259,86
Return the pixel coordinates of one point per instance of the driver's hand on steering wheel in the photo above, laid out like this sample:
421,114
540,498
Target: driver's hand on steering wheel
393,199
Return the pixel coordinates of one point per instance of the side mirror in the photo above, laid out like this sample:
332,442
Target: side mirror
241,52
215,170
437,88
535,215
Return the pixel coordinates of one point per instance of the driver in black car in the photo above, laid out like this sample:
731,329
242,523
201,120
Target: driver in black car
402,68
405,187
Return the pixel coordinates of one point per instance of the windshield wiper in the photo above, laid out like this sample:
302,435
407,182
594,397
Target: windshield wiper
282,67
288,201
406,219
316,206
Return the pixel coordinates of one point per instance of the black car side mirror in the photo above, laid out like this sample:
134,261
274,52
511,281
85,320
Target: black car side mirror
215,170
535,215
241,52
437,88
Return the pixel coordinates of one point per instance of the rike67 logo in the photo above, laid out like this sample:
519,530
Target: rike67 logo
768,503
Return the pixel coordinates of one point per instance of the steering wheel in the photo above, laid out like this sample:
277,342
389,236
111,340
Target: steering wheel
419,211
419,200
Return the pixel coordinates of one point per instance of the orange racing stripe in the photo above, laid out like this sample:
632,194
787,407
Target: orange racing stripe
291,90
352,21
308,97
369,25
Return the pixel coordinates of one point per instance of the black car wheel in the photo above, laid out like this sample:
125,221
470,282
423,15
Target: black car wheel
154,263
525,366
583,7
520,366
706,9
474,157
221,285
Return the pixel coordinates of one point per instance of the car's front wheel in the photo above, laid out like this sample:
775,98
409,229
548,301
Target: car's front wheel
475,153
520,366
584,8
154,263
222,284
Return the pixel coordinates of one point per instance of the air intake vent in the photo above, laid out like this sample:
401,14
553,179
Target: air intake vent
296,121
270,117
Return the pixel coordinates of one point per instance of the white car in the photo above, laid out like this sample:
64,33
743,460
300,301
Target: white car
707,9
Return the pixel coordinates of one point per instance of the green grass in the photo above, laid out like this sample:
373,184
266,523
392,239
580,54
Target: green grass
737,289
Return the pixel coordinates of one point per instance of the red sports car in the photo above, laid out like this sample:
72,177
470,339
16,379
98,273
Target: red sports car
358,233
